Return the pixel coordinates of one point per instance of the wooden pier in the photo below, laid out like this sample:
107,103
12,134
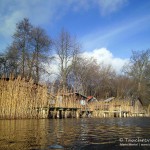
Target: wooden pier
72,106
60,112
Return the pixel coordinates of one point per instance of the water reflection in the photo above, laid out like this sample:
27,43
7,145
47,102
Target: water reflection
73,134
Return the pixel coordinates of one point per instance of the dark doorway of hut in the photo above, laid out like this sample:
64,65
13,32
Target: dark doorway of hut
60,114
115,115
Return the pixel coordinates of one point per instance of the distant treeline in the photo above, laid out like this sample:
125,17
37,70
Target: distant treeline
32,49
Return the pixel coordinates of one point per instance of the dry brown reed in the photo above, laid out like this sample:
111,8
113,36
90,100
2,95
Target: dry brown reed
21,99
66,99
24,99
118,105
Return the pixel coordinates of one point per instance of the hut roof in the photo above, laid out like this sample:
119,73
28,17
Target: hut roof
91,98
78,94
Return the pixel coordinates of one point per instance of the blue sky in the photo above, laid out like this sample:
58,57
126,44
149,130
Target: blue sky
116,26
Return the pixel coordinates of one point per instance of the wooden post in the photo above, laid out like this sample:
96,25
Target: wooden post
66,114
54,114
120,112
77,114
104,115
58,114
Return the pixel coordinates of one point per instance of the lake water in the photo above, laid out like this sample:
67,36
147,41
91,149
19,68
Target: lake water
75,134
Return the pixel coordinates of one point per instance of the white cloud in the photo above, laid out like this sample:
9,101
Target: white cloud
9,23
105,6
41,12
36,10
110,6
45,12
103,55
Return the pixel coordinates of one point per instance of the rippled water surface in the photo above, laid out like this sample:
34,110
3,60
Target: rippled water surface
75,134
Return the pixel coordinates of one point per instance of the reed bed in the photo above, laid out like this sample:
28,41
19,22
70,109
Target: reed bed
24,99
114,105
118,105
21,99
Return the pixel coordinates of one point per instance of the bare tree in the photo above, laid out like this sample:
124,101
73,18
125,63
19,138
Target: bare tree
9,62
21,42
91,78
12,57
67,50
3,65
124,86
41,44
28,52
138,71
